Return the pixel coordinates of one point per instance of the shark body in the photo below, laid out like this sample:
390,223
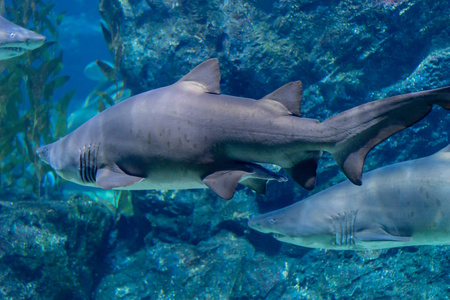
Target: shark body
187,135
404,204
16,40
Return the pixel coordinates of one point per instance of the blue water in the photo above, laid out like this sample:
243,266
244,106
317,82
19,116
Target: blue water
81,40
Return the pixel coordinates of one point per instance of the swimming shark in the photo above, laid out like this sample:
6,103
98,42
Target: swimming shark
404,204
15,40
187,135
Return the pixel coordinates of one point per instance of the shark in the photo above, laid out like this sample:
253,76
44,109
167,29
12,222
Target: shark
188,135
16,40
404,204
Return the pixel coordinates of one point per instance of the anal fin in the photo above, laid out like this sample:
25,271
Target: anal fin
304,172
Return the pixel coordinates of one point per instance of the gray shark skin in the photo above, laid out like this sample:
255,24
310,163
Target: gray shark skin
404,204
187,136
15,40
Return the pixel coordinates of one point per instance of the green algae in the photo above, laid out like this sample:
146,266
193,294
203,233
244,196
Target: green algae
30,112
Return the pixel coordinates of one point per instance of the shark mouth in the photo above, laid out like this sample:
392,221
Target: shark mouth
278,235
13,49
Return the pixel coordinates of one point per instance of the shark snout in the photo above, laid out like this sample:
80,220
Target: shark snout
34,41
260,223
43,153
251,223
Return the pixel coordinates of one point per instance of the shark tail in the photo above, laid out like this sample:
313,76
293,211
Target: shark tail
365,126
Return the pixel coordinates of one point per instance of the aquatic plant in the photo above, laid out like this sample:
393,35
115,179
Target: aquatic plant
112,37
30,114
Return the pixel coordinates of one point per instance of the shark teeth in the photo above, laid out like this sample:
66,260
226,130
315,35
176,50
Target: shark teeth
278,235
15,49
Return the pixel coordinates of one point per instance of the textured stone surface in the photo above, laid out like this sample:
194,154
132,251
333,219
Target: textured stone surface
228,267
362,45
51,249
224,266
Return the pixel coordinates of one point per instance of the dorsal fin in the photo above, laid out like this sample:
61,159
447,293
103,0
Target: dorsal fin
290,95
207,74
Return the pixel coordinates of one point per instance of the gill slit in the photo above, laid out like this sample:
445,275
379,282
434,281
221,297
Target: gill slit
88,163
89,168
344,228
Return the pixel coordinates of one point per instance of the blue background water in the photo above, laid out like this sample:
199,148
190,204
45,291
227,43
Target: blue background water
82,42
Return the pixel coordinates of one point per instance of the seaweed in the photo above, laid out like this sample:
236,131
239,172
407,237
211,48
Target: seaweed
113,40
30,113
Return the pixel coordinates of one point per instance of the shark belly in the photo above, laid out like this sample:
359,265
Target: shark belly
163,182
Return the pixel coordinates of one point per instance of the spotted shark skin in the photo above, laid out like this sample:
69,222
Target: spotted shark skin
187,135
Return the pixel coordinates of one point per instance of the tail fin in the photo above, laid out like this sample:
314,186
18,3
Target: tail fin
360,129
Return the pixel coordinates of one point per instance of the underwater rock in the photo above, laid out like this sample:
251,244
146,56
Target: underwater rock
228,267
194,216
51,249
432,71
358,46
225,266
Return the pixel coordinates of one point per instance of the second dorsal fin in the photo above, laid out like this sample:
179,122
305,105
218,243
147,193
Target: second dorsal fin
290,95
207,74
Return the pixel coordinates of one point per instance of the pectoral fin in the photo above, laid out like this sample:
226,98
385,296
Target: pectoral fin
224,183
109,179
380,234
255,177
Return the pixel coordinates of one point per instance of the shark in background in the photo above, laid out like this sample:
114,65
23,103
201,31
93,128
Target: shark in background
404,204
15,40
187,135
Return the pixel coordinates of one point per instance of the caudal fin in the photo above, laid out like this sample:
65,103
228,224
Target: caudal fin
360,129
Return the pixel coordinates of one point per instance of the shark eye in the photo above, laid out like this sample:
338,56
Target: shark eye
12,34
272,221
